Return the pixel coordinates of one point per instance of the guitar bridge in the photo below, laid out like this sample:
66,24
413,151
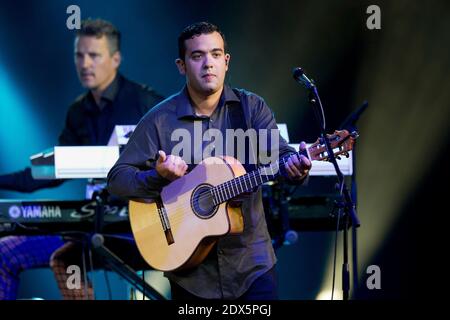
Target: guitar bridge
165,222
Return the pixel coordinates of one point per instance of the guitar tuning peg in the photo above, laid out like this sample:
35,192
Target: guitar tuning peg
338,157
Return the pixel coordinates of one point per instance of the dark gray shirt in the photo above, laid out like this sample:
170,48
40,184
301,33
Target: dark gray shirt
238,259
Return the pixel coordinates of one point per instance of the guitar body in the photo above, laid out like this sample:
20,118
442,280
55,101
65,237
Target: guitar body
195,223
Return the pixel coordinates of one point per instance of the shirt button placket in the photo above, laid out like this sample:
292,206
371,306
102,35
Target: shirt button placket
224,274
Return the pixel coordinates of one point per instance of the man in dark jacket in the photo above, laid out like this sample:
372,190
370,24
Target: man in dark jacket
111,100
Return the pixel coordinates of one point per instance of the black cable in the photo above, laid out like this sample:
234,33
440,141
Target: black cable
91,267
143,285
341,189
83,258
335,252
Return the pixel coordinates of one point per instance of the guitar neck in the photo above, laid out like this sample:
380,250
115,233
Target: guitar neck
340,142
249,181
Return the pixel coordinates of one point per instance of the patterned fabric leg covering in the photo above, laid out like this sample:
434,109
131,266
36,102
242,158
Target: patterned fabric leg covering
18,253
71,253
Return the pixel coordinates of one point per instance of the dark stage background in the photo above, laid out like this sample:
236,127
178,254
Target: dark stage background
401,70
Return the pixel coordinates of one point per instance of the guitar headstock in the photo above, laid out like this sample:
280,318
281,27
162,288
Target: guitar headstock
340,141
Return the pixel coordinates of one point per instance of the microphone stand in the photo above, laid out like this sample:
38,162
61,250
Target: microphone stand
350,125
348,206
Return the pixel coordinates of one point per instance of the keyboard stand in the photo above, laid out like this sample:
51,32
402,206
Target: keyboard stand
113,261
116,264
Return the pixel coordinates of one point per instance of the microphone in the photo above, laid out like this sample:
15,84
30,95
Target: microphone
301,78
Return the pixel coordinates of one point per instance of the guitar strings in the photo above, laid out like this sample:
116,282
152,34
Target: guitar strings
178,212
175,216
224,190
223,187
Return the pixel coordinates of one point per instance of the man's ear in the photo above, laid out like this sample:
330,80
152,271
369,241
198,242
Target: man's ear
117,59
227,60
181,66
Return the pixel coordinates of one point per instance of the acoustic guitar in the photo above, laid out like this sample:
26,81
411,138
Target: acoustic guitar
177,230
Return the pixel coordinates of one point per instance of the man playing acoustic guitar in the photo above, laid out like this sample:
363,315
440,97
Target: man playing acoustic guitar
204,224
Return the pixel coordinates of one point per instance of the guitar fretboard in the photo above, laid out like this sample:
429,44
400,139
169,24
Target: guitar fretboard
247,182
341,140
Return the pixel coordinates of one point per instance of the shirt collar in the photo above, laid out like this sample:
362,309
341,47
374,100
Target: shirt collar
185,108
109,94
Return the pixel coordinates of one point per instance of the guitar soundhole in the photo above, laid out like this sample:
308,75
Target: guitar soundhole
202,202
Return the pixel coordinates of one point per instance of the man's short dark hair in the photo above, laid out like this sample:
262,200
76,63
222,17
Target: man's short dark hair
99,28
194,30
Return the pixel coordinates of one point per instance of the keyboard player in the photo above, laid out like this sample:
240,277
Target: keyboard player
110,99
